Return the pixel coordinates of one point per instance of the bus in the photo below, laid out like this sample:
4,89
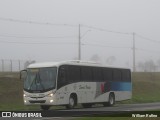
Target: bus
69,83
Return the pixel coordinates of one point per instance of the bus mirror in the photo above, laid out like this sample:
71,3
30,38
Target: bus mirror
23,74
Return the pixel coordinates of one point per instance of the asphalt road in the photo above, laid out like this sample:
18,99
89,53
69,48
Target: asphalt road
118,108
124,107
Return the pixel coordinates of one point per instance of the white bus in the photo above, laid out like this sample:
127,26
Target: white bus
72,82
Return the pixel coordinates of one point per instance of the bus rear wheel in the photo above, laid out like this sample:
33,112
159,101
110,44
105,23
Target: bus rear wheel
72,102
45,107
111,100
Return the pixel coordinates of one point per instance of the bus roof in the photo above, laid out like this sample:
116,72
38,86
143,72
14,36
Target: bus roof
56,64
70,62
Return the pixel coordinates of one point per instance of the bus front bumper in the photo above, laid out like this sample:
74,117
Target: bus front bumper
39,101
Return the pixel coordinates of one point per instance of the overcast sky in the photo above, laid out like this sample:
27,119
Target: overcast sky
43,42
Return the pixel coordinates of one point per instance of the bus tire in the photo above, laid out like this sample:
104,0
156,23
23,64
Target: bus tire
72,102
45,107
87,105
111,100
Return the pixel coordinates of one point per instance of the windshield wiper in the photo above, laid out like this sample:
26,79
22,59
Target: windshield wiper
40,81
37,80
32,83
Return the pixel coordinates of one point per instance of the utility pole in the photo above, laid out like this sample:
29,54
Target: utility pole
19,62
134,53
11,65
2,65
79,43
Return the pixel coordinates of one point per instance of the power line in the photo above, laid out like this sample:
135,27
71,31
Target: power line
91,44
146,50
35,22
105,30
36,37
47,43
137,49
69,25
48,23
155,41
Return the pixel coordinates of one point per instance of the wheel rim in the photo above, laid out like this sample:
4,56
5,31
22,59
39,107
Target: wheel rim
71,102
111,99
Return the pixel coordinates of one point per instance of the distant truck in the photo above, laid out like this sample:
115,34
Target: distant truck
69,83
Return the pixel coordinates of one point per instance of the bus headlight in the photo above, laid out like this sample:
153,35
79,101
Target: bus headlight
51,101
24,95
50,95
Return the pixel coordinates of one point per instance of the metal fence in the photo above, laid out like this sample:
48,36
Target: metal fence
10,65
7,65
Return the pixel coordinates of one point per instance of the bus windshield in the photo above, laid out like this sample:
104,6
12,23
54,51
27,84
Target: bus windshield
40,79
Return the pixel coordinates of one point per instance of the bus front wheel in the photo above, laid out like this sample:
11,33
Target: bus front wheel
72,102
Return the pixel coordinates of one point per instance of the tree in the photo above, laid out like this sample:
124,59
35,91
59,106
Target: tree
28,63
150,66
158,62
75,58
141,66
110,60
95,58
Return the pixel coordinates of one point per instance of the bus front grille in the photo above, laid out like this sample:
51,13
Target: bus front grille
36,97
37,101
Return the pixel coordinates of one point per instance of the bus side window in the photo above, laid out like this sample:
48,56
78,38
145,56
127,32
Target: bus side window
126,75
117,75
86,74
97,74
73,74
107,74
62,77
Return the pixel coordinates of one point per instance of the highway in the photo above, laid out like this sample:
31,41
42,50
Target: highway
118,108
124,107
63,114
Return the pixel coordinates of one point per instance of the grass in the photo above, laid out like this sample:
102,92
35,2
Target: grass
146,88
11,93
152,92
